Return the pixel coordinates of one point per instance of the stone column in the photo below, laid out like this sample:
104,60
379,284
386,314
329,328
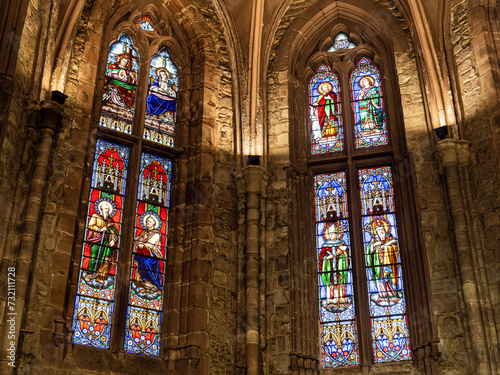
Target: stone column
50,121
453,156
254,177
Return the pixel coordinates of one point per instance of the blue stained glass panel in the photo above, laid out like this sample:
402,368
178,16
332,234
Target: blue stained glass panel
341,42
142,334
325,112
146,23
339,345
383,266
390,339
161,102
370,126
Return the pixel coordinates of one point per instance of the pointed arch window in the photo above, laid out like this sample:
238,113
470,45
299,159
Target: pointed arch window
325,112
159,123
360,274
132,167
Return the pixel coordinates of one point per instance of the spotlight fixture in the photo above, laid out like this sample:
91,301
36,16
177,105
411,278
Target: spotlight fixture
59,97
441,132
253,159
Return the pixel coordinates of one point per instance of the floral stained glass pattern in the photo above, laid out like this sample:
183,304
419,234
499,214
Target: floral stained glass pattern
161,106
96,283
118,100
325,112
339,344
370,127
383,266
341,42
147,276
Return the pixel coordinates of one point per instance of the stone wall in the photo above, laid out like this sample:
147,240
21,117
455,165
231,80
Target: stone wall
481,131
434,221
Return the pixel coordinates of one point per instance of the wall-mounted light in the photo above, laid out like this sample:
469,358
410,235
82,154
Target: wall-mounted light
253,159
59,97
441,132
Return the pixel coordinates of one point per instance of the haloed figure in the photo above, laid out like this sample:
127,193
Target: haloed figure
148,275
161,96
120,83
334,264
370,110
327,110
382,257
102,236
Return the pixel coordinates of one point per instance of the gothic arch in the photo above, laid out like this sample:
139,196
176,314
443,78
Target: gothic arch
300,50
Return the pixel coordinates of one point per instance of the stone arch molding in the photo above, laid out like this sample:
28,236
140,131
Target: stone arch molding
179,20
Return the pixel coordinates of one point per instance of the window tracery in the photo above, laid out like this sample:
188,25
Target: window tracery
356,226
110,240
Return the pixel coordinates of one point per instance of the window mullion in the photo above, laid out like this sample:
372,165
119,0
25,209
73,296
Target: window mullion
360,282
122,278
347,111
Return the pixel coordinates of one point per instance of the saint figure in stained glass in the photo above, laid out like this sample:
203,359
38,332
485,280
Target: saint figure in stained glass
370,110
325,112
328,110
118,100
334,266
382,257
370,127
161,102
161,95
120,82
102,237
147,273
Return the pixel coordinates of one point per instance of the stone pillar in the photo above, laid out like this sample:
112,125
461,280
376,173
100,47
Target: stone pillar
453,157
50,121
254,177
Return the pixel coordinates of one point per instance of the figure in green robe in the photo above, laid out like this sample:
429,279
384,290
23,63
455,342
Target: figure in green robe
371,113
334,265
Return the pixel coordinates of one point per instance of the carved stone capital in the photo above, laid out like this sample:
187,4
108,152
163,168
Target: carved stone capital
447,152
255,179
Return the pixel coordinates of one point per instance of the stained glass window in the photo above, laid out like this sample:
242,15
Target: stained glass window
325,112
96,283
370,128
383,266
341,42
120,82
147,277
339,344
161,100
146,23
146,231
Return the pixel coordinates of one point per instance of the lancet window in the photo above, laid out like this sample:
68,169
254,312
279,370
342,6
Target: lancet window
132,167
360,275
